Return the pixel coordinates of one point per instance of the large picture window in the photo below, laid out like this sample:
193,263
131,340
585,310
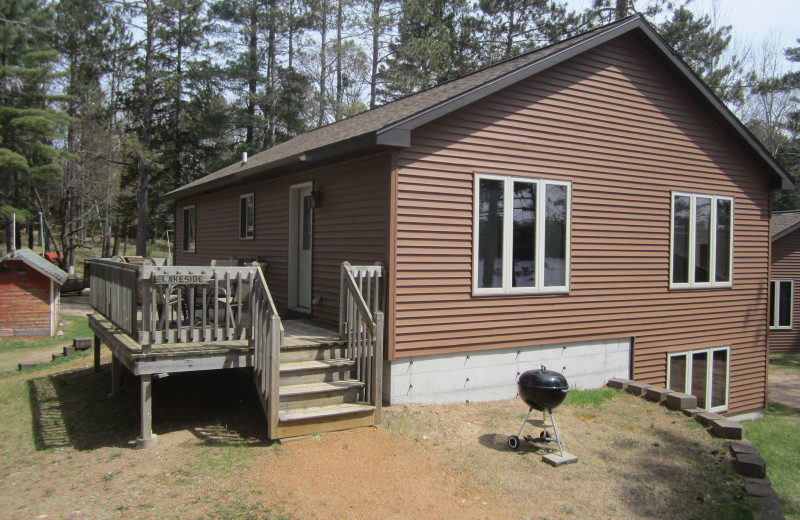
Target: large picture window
521,235
703,374
189,228
780,304
247,210
702,241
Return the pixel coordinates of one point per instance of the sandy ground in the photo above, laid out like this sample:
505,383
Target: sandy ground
784,388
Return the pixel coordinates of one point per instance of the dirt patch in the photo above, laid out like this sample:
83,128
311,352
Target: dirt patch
76,305
784,387
67,451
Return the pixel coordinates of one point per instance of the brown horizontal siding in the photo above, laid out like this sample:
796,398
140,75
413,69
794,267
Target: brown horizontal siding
349,225
626,135
786,266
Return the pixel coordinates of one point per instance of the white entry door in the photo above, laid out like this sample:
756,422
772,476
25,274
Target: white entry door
300,248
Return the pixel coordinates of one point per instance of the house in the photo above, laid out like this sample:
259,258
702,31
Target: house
783,334
29,294
590,206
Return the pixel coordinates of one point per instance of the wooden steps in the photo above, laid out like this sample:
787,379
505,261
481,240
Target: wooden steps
316,412
317,392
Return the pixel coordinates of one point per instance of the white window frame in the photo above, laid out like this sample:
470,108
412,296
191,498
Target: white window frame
243,232
709,374
691,284
774,295
184,240
508,221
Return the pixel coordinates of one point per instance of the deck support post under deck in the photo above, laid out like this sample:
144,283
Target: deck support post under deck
116,375
147,439
97,345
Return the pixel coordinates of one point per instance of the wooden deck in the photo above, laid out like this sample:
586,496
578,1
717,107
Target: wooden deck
192,356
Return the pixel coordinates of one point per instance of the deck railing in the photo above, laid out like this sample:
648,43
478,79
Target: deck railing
182,304
266,339
361,326
113,293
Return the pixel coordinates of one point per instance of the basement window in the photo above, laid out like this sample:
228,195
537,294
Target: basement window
780,304
702,373
701,241
521,230
247,210
189,228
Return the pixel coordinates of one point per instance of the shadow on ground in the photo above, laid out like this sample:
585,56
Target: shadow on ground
73,409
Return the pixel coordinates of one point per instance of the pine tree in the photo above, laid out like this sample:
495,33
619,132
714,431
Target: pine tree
29,121
437,42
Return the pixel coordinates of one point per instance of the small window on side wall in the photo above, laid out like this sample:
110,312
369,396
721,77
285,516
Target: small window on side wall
702,373
780,304
189,228
702,241
247,216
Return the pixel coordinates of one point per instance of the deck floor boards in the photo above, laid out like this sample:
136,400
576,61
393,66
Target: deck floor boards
297,333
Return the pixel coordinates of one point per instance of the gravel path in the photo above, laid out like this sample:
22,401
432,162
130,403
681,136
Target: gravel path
784,388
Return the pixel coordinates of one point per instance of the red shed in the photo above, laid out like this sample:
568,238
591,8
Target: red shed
29,294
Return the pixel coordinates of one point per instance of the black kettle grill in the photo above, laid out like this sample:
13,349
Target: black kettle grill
543,390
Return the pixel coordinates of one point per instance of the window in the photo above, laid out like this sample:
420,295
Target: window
703,374
780,304
524,248
189,228
247,216
702,241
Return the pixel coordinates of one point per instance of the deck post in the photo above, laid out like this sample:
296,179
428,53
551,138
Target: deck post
116,375
147,439
97,346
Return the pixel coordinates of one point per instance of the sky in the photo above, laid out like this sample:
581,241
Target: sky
752,20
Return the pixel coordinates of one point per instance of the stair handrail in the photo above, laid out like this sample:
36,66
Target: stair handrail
362,329
266,338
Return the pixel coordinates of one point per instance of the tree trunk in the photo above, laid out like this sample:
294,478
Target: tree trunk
323,66
252,72
621,10
273,87
147,124
339,86
376,31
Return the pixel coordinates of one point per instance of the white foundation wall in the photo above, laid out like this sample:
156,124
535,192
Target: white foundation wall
492,374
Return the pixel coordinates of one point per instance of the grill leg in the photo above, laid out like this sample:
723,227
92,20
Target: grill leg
555,430
524,421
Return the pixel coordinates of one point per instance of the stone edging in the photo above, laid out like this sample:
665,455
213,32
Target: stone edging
748,462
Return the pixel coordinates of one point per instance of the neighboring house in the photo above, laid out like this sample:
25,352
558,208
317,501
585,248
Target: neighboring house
29,294
590,206
784,327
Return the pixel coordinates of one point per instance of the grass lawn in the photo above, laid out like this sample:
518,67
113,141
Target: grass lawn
14,350
777,436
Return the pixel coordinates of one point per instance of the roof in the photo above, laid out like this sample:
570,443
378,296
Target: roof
389,126
37,262
784,222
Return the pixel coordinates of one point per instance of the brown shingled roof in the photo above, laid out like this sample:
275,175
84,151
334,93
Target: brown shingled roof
784,222
389,125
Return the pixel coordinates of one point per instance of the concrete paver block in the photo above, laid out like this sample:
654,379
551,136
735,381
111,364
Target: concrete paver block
637,388
726,428
23,366
751,465
555,460
759,490
656,394
691,412
618,383
69,350
82,343
742,446
706,418
679,401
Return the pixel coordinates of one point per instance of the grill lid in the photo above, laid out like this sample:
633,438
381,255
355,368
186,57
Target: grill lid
544,379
